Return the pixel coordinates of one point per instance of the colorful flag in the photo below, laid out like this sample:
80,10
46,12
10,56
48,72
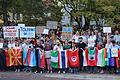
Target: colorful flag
42,63
63,59
13,57
101,57
8,57
73,58
54,59
25,57
31,58
91,56
39,56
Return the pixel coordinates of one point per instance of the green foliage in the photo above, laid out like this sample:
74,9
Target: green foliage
34,11
108,9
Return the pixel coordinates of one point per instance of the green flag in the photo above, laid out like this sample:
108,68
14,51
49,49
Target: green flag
54,59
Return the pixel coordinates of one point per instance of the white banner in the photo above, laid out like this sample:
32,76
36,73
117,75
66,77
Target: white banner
106,29
10,31
27,32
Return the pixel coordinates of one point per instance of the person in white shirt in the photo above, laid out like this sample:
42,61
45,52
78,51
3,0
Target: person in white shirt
58,46
76,36
91,40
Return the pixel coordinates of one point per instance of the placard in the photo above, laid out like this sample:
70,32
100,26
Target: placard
66,33
40,29
27,32
10,31
106,29
52,24
45,31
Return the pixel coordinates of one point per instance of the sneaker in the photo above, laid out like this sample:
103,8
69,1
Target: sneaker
64,72
36,72
102,72
50,71
18,70
59,72
41,72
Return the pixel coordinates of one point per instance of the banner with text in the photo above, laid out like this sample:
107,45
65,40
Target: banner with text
10,31
27,32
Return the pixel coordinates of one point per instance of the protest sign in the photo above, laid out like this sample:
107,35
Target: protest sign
66,33
10,31
40,29
27,32
52,24
106,29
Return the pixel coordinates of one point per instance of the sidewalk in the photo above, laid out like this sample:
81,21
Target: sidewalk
55,76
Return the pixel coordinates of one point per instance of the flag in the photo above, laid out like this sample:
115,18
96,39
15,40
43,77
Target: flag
118,60
13,57
104,56
101,57
8,57
54,59
63,59
16,57
113,56
31,58
91,56
25,57
73,58
39,57
42,62
114,52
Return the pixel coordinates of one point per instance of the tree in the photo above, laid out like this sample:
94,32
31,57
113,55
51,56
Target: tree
34,11
94,9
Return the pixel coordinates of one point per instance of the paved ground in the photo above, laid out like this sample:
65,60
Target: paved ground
55,76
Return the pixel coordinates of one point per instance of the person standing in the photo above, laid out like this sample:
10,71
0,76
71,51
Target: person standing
81,45
48,49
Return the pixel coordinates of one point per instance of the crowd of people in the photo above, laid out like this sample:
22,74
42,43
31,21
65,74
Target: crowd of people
53,42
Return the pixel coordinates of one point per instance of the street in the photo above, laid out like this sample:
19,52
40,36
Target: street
55,76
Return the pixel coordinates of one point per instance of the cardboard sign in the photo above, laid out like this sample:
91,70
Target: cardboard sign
52,24
106,29
10,31
27,32
66,33
40,29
